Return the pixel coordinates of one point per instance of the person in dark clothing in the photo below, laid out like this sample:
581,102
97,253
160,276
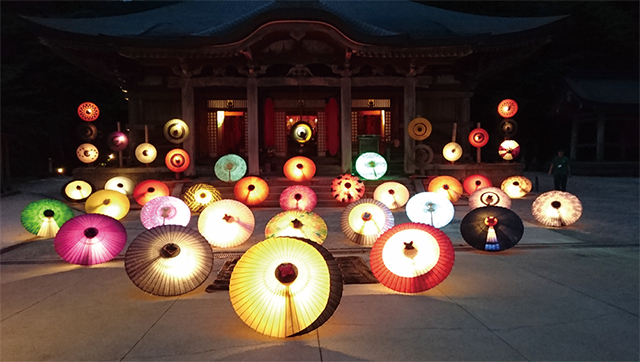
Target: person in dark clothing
560,169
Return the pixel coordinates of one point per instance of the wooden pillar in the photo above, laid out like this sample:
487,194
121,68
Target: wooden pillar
253,152
188,116
345,123
409,115
600,138
574,138
464,126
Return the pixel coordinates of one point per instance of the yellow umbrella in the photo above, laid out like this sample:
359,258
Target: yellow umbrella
200,195
226,223
363,221
108,202
516,186
297,223
448,186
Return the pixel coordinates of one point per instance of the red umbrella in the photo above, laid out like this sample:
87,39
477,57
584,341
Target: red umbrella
90,239
475,182
251,190
347,188
298,197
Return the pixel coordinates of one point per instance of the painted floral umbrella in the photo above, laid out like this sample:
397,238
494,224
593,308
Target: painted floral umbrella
412,257
393,194
226,223
284,287
371,166
491,228
489,196
200,195
90,239
148,190
299,168
448,186
108,202
430,208
475,182
363,221
300,224
347,188
516,186
168,260
556,208
122,184
165,210
298,197
230,168
45,217
251,190
77,190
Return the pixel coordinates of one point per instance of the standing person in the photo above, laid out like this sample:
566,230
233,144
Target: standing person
560,168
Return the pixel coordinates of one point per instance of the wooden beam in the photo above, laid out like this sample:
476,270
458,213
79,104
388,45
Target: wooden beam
409,115
188,116
253,127
345,123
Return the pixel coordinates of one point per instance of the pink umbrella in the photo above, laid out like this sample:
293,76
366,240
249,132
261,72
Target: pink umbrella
165,210
298,197
90,239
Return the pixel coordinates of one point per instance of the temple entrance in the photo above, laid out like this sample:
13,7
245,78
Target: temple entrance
302,135
231,133
372,130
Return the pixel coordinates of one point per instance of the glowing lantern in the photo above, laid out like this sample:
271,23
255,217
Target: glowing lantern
489,196
347,188
45,217
176,131
556,208
475,182
298,224
419,129
491,228
87,153
77,190
452,151
168,260
299,169
230,168
226,223
285,287
165,210
507,108
447,186
117,141
509,149
90,239
371,166
363,221
412,258
301,132
478,137
200,195
430,208
148,190
392,194
88,111
298,197
146,153
108,202
251,190
516,186
121,184
177,160
87,131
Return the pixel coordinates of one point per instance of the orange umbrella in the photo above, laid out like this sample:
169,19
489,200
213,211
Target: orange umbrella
508,108
88,111
489,196
299,168
364,220
475,182
251,190
226,223
392,194
478,137
149,190
447,186
556,208
347,188
177,160
516,186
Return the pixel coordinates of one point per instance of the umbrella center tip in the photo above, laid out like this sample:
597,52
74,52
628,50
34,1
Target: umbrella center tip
251,187
478,182
300,166
392,191
366,216
446,187
170,250
106,201
409,250
227,218
286,273
556,204
48,213
297,224
491,221
90,232
347,185
298,197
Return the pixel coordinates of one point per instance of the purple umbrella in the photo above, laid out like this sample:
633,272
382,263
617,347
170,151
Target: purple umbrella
90,239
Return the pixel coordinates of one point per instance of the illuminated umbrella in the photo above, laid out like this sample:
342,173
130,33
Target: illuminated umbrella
90,239
489,196
200,195
226,223
87,153
419,129
491,228
298,197
556,208
516,186
108,202
347,188
508,108
364,220
230,168
77,190
165,210
121,184
301,132
475,182
299,169
88,111
509,149
176,130
430,208
447,186
371,166
117,141
177,160
392,194
45,217
146,153
412,258
478,137
251,190
168,260
300,224
509,127
452,151
87,131
285,287
148,190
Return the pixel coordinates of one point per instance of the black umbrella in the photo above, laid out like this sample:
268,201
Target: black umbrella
491,228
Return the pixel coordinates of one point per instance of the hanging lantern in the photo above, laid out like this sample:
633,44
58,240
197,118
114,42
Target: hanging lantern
371,166
392,194
176,131
87,131
509,149
430,208
285,287
363,221
177,160
299,169
556,208
45,217
90,239
301,132
419,129
117,141
491,228
88,111
489,196
77,190
347,188
412,258
478,137
108,202
200,195
165,210
226,223
148,190
87,153
297,224
507,108
298,197
475,182
251,190
452,151
146,153
516,186
230,168
447,186
122,184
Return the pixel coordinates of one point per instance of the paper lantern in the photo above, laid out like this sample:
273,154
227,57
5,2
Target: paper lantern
516,186
347,188
371,166
176,131
226,223
491,228
430,208
148,190
475,182
87,153
298,197
168,260
45,217
87,131
299,169
90,239
452,151
447,186
412,258
363,221
88,111
556,208
117,141
489,196
165,210
392,194
230,168
108,202
77,190
478,137
122,184
507,108
297,224
251,190
285,287
177,160
301,132
146,153
509,149
200,195
419,129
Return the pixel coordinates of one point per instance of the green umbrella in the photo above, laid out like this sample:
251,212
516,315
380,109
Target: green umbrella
297,223
45,217
230,168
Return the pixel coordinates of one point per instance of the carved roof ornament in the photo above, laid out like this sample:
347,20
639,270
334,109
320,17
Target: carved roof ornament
185,70
299,71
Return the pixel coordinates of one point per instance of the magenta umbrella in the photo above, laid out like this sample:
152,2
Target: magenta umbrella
90,239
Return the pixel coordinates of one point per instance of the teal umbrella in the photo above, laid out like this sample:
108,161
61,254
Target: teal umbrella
230,168
45,217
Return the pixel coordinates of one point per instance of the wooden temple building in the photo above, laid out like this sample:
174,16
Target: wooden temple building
241,74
